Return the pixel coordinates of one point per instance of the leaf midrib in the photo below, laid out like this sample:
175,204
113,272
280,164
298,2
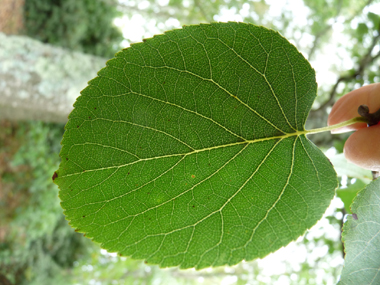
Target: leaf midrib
298,133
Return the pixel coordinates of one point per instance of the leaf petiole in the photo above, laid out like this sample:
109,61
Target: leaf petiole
336,126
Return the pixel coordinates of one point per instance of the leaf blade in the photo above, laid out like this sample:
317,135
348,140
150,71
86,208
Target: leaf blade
199,148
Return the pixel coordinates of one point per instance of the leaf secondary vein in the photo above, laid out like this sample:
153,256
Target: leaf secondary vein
241,187
278,198
184,192
178,106
220,87
312,162
212,213
267,82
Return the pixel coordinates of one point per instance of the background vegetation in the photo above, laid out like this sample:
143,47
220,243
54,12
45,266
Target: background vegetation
36,244
78,25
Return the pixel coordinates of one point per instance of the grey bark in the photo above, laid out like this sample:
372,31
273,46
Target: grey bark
40,81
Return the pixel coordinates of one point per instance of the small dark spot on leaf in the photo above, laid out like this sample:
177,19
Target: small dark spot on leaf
128,173
77,126
193,206
77,230
95,108
67,158
55,175
355,216
193,176
84,216
146,262
89,117
148,193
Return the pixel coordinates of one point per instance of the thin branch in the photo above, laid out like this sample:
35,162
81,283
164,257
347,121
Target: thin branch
376,56
316,41
364,62
323,32
327,28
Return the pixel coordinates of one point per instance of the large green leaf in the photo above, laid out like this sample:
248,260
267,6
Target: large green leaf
189,149
361,237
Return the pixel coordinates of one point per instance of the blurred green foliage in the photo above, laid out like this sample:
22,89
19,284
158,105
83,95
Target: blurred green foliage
36,242
85,25
365,48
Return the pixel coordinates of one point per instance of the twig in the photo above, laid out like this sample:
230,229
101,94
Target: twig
364,62
327,28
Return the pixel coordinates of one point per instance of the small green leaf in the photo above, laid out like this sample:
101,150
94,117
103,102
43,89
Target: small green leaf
361,237
348,194
375,19
361,30
189,149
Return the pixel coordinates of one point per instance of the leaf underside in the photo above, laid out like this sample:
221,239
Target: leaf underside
188,149
361,237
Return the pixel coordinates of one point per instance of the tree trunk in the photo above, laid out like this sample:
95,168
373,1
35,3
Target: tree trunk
39,81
